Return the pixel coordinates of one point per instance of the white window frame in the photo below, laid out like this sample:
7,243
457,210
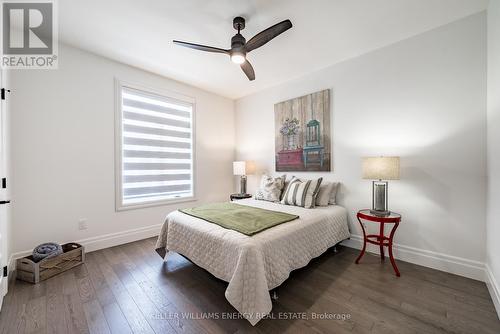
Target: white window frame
119,85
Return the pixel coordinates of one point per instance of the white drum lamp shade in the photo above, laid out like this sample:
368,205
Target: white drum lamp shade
381,168
239,168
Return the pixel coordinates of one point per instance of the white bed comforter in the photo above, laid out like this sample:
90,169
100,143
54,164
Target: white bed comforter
254,265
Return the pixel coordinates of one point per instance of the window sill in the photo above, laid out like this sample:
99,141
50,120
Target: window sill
153,204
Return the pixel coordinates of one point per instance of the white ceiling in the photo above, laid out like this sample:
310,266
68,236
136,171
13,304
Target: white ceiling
140,33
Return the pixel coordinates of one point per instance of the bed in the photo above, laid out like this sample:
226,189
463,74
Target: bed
254,265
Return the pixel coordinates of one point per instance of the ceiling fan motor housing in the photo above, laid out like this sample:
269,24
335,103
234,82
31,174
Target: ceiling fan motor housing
237,42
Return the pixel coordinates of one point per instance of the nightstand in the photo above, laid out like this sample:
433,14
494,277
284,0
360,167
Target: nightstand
379,239
239,196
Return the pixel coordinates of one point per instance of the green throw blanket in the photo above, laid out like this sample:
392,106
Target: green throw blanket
244,219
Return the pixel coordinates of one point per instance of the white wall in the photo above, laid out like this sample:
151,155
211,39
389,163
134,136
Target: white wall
63,150
423,99
493,224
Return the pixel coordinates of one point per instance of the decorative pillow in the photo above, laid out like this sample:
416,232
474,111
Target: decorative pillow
302,193
324,193
285,186
333,195
270,188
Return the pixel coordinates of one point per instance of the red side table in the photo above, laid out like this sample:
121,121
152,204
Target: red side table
379,239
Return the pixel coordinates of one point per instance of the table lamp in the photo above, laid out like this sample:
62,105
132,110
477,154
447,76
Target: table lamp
380,169
242,168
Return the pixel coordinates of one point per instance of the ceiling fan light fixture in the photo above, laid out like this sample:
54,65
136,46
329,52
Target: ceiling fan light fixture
238,58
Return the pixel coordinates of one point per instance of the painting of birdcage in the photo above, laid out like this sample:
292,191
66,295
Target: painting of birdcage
302,127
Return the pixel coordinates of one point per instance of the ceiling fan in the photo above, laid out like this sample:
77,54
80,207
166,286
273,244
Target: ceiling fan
240,47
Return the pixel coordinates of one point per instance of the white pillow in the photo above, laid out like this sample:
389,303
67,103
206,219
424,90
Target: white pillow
302,193
325,193
333,195
270,188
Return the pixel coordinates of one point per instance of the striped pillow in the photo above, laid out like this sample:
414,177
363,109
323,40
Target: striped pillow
302,193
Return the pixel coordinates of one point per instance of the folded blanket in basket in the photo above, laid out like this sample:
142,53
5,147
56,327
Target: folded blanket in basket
46,250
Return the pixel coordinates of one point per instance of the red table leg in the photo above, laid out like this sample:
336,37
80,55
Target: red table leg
390,250
381,240
364,242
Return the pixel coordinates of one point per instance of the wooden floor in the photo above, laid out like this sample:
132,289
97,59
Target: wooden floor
129,289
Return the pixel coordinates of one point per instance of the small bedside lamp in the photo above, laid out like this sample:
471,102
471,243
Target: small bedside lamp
243,168
378,169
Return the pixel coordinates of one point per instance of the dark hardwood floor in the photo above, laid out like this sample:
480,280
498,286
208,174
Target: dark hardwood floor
129,289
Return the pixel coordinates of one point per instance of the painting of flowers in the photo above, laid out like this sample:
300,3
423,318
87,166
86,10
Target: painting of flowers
290,129
302,127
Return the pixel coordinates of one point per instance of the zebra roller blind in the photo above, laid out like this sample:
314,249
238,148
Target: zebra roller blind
156,148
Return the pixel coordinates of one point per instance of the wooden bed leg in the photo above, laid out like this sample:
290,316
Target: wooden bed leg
335,250
274,295
162,252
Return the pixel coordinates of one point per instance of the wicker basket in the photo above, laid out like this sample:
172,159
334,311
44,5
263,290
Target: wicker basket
34,272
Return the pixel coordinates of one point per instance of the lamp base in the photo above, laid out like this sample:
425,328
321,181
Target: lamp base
380,213
243,185
379,201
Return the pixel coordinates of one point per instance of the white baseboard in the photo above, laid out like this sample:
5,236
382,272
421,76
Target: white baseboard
102,241
451,264
493,288
12,263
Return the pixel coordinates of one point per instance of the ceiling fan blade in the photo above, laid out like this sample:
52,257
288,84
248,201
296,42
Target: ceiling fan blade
201,47
248,69
266,35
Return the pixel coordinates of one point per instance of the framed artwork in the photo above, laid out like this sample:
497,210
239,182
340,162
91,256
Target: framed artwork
302,133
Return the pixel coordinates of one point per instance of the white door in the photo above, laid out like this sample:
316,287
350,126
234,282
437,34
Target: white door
4,194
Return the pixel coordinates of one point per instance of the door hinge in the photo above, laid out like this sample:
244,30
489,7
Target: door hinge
2,93
4,183
5,271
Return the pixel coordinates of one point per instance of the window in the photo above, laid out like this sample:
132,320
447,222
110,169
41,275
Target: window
154,148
